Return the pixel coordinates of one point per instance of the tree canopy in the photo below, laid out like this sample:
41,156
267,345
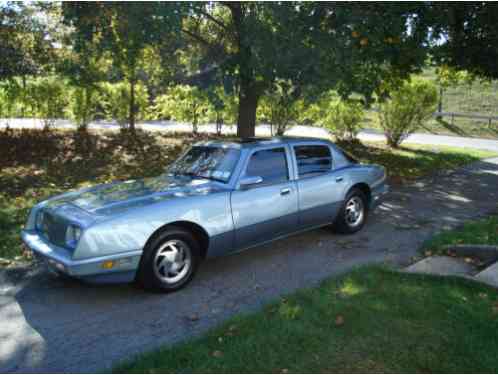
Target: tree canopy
245,48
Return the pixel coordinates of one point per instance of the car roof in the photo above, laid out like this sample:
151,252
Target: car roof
254,142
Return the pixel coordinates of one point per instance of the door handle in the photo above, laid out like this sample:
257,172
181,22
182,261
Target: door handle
339,179
285,191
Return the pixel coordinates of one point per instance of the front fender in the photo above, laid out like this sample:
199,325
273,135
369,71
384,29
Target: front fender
131,230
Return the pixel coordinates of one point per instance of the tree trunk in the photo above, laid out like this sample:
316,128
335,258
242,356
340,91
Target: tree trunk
248,103
23,112
132,109
440,102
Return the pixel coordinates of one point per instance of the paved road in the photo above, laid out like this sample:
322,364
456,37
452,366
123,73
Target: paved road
264,130
50,325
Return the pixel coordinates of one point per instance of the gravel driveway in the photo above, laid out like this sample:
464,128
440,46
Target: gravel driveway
51,325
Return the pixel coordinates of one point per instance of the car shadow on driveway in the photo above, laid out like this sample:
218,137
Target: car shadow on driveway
56,325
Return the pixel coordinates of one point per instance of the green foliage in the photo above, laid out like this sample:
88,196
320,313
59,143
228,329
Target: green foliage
341,116
280,106
83,105
222,107
447,76
48,98
11,98
183,103
469,30
24,47
409,107
116,101
125,32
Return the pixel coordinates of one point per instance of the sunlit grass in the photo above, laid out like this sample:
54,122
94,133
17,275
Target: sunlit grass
478,232
398,323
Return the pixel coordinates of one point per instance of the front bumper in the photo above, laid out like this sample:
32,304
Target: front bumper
95,269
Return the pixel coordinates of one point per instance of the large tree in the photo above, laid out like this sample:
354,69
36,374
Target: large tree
467,36
123,31
350,47
247,46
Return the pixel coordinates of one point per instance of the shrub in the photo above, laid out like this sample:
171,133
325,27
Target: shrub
11,96
115,98
409,106
183,103
280,106
344,118
222,108
48,98
83,105
341,116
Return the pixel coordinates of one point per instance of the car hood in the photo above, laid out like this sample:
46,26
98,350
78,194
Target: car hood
109,199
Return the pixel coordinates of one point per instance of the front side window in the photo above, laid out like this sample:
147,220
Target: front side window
313,160
269,164
215,163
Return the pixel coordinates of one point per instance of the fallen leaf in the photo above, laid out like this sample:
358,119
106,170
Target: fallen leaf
193,317
339,320
217,354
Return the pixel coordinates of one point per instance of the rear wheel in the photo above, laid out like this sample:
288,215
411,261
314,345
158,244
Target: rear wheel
353,213
170,261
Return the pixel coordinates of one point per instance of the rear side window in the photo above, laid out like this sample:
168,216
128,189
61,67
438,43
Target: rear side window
313,160
269,164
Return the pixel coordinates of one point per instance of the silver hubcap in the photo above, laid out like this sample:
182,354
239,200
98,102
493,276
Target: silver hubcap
354,211
172,261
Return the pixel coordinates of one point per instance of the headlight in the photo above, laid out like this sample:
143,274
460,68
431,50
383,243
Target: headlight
73,234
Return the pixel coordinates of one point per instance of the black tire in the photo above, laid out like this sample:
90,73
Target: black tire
342,224
148,276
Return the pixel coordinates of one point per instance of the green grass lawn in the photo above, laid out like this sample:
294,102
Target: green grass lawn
35,165
371,320
478,232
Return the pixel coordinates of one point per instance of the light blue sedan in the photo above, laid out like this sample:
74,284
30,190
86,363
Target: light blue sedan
217,198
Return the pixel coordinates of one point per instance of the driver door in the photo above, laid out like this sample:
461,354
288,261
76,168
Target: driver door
267,209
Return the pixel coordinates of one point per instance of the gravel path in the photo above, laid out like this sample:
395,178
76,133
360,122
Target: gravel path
264,130
50,325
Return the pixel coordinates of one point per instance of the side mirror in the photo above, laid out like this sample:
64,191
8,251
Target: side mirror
247,182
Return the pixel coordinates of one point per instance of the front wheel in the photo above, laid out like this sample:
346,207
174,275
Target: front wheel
170,261
353,213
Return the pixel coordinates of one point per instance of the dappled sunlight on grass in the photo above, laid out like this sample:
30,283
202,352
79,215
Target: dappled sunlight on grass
478,232
391,322
350,288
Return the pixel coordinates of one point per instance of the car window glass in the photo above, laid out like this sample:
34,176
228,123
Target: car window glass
269,164
313,160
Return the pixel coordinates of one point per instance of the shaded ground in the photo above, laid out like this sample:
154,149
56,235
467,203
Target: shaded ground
50,325
480,136
36,164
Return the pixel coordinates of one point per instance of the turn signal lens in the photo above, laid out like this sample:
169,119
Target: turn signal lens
108,265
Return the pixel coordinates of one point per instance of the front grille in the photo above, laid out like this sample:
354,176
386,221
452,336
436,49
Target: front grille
53,228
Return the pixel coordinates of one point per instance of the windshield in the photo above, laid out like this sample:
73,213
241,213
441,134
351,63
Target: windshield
214,163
